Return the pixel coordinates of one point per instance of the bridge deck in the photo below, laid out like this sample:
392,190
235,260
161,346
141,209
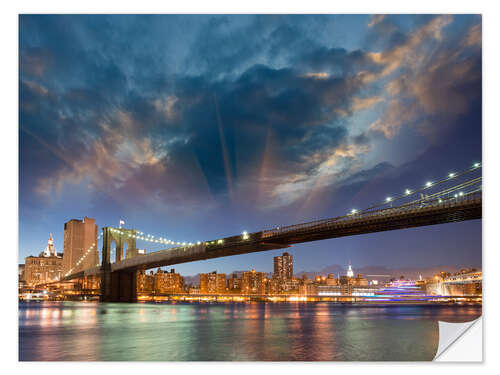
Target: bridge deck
466,208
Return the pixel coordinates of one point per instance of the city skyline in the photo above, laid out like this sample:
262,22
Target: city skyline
276,267
195,138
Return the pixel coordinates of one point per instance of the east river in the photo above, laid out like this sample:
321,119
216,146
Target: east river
322,331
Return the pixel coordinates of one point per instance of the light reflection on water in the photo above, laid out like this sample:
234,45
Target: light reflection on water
88,331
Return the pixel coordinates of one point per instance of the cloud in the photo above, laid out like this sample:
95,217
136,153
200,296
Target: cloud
431,90
365,103
243,108
376,19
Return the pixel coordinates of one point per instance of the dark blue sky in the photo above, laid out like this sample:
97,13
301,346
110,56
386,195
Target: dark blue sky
196,127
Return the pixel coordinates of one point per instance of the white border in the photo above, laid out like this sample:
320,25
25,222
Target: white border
491,136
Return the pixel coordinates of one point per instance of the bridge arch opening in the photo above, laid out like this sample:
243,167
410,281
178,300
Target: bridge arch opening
124,250
112,251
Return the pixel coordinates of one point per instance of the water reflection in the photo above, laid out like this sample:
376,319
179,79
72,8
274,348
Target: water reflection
51,331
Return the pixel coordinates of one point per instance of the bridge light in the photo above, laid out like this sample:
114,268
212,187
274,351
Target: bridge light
476,165
388,199
407,191
460,193
353,211
245,235
440,200
198,242
455,195
428,184
451,175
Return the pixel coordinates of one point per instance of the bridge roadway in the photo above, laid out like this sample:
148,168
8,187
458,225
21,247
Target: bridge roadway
438,211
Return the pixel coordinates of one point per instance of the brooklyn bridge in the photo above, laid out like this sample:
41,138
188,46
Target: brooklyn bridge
456,197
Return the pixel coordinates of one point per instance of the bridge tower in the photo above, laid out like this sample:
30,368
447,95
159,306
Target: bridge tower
118,286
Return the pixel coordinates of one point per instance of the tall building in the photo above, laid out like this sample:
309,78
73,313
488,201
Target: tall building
283,267
80,238
212,283
45,267
253,282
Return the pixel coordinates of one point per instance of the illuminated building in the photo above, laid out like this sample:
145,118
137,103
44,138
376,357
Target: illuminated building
465,283
212,283
253,282
350,273
331,281
168,282
359,280
273,286
194,290
20,276
234,284
44,268
283,267
308,289
79,237
145,282
344,280
290,285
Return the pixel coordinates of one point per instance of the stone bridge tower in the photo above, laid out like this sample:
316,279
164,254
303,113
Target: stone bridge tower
118,286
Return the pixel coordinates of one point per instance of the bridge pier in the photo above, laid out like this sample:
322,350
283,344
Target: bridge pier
119,286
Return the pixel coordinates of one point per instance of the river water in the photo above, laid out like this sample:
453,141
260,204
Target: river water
91,331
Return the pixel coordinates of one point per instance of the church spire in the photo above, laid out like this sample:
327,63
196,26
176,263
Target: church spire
350,273
50,250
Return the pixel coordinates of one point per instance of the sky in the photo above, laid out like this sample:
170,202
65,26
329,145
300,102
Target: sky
196,127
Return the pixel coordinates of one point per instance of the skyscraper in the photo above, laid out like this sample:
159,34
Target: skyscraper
79,237
283,267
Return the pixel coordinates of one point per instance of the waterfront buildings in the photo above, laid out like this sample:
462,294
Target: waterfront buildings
145,282
45,267
253,282
20,276
168,282
283,267
212,283
161,282
463,283
234,284
80,238
273,285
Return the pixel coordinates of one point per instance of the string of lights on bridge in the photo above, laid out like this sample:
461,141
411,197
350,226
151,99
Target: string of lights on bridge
428,185
83,256
151,238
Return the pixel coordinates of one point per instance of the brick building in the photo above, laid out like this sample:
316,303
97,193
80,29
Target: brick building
43,268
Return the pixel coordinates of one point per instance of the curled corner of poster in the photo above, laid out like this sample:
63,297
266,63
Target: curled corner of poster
460,342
